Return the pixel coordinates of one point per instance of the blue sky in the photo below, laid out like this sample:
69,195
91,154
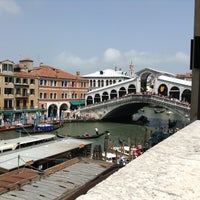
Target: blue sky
92,35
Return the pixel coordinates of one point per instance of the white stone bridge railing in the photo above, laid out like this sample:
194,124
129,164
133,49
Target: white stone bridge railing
102,108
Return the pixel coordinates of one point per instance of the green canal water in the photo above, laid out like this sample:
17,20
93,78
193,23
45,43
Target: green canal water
123,131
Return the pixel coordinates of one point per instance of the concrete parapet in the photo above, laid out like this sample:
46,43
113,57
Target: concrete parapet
169,170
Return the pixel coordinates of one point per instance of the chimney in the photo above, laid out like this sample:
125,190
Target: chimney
78,73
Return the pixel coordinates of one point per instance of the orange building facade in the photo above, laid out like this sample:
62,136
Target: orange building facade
27,90
59,91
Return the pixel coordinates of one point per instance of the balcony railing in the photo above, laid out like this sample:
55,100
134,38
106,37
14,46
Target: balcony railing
8,108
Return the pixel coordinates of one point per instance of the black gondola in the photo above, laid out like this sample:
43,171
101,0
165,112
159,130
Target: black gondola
87,136
84,136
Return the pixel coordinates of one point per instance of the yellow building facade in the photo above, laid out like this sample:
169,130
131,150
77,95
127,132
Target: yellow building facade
18,94
27,90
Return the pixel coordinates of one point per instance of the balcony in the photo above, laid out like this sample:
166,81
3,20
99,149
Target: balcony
24,95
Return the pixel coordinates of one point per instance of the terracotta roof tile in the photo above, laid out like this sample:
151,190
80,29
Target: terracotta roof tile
51,72
23,74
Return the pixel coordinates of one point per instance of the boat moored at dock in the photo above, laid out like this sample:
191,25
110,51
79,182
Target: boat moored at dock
14,127
41,128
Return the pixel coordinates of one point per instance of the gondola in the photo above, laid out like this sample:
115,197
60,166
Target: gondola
87,136
42,128
84,136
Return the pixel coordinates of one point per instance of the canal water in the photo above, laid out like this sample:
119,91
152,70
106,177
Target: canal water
123,131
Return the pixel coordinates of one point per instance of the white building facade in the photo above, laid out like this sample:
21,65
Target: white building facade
108,77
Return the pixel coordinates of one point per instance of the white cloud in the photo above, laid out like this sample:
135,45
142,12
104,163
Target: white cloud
9,6
171,63
72,63
175,63
112,55
182,57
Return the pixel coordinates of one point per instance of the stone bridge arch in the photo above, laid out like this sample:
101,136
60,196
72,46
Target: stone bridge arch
113,94
122,91
124,107
147,81
97,98
163,90
89,100
105,96
186,96
132,89
174,92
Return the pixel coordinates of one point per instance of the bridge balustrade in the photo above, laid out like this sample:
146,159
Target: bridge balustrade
144,98
174,104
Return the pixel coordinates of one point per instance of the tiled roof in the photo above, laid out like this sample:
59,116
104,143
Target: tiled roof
187,75
51,72
23,74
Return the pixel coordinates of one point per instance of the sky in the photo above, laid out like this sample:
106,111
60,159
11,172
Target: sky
93,35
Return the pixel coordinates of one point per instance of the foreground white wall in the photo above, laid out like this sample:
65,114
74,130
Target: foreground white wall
169,170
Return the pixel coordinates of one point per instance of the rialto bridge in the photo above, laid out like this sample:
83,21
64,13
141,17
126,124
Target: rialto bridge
156,87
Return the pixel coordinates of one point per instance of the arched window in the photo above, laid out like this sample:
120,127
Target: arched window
131,89
89,100
113,94
94,83
122,92
97,98
102,83
90,83
105,96
99,85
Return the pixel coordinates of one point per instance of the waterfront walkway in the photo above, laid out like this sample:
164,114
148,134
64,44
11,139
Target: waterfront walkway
169,170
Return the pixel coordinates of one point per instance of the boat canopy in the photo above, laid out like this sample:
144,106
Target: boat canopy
45,127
